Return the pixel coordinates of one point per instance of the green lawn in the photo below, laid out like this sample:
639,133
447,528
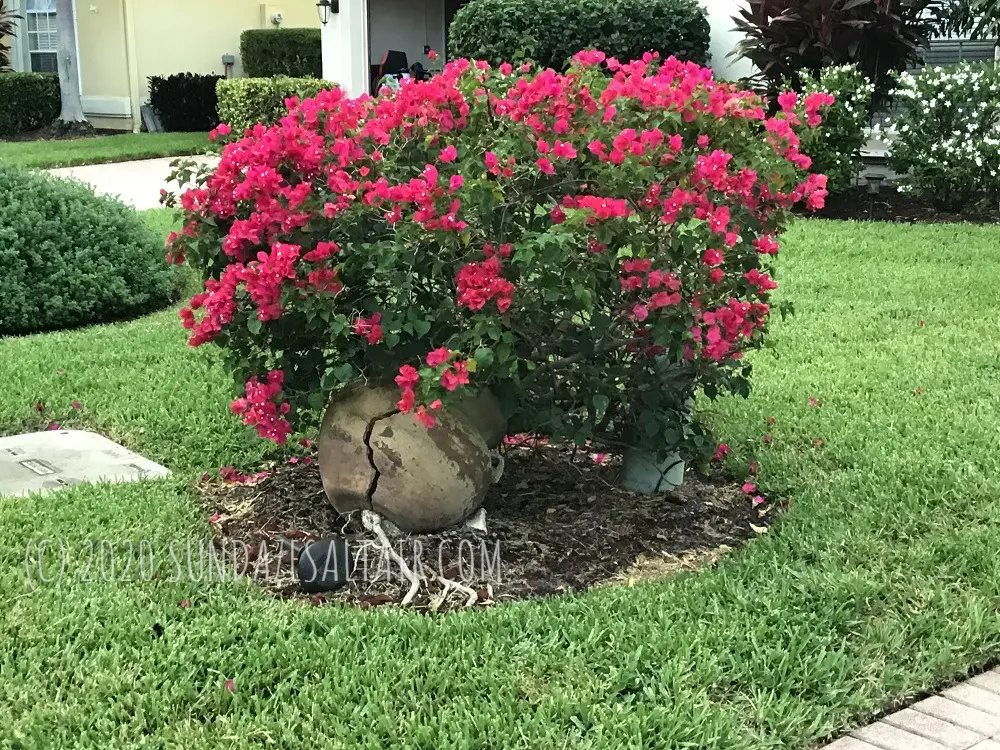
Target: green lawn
880,582
100,149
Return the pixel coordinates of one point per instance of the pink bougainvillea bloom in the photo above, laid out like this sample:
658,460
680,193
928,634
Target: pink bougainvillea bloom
545,165
214,518
370,328
425,417
770,420
455,183
436,404
206,476
759,500
716,275
506,69
491,161
305,442
558,215
432,55
307,461
406,401
721,452
53,426
703,141
39,405
640,312
438,357
767,439
754,467
788,100
76,405
230,686
185,603
448,154
293,460
711,258
749,488
408,376
818,442
813,402
455,376
599,458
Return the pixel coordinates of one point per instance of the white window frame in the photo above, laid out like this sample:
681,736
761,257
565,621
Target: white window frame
50,12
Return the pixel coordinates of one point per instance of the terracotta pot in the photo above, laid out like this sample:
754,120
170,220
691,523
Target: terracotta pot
372,457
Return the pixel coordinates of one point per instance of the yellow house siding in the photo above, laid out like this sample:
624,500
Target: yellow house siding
124,42
192,35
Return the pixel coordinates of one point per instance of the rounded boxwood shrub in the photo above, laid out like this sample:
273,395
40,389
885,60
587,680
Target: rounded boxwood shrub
551,32
70,257
591,247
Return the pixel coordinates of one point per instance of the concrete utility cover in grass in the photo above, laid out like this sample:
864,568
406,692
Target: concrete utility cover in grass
55,460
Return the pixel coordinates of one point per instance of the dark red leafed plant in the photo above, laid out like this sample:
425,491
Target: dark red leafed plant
591,246
784,37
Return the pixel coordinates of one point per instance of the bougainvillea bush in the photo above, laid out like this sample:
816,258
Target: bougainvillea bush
591,246
835,146
948,134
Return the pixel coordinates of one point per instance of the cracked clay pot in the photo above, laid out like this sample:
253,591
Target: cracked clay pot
372,457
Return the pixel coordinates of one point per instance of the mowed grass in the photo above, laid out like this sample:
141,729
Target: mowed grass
100,149
881,581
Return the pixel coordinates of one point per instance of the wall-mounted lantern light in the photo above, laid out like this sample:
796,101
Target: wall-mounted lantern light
325,8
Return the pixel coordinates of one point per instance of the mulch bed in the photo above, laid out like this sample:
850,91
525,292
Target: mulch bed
892,205
556,523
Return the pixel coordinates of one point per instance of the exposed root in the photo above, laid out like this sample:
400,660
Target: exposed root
371,451
373,522
447,586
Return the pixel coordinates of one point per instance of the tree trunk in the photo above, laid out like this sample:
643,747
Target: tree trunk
69,67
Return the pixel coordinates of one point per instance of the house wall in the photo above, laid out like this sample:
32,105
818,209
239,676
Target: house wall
124,42
724,39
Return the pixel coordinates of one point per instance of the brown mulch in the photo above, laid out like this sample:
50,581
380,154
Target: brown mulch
556,523
892,205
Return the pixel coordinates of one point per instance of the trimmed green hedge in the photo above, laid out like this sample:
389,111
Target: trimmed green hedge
296,53
244,102
28,101
551,31
185,102
72,258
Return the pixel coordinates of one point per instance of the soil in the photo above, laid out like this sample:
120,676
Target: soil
556,523
892,205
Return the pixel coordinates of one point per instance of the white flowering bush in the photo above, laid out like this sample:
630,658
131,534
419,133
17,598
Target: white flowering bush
948,134
835,146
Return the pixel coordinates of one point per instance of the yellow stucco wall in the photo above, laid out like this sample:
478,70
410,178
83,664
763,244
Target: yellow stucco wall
100,33
123,42
178,36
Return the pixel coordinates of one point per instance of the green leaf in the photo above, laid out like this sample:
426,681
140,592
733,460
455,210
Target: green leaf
253,325
344,372
422,327
484,356
600,402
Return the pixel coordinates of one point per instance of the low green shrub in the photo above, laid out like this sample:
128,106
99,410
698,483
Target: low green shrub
71,258
551,32
947,137
244,102
27,101
185,102
835,146
296,53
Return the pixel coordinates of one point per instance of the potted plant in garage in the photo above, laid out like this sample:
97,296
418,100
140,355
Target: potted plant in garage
576,253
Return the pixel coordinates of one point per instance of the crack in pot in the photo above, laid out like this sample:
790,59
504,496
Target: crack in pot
373,485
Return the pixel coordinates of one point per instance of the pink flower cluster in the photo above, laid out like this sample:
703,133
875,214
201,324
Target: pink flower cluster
261,408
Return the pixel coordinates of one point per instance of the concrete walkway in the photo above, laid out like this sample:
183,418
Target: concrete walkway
966,716
137,183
